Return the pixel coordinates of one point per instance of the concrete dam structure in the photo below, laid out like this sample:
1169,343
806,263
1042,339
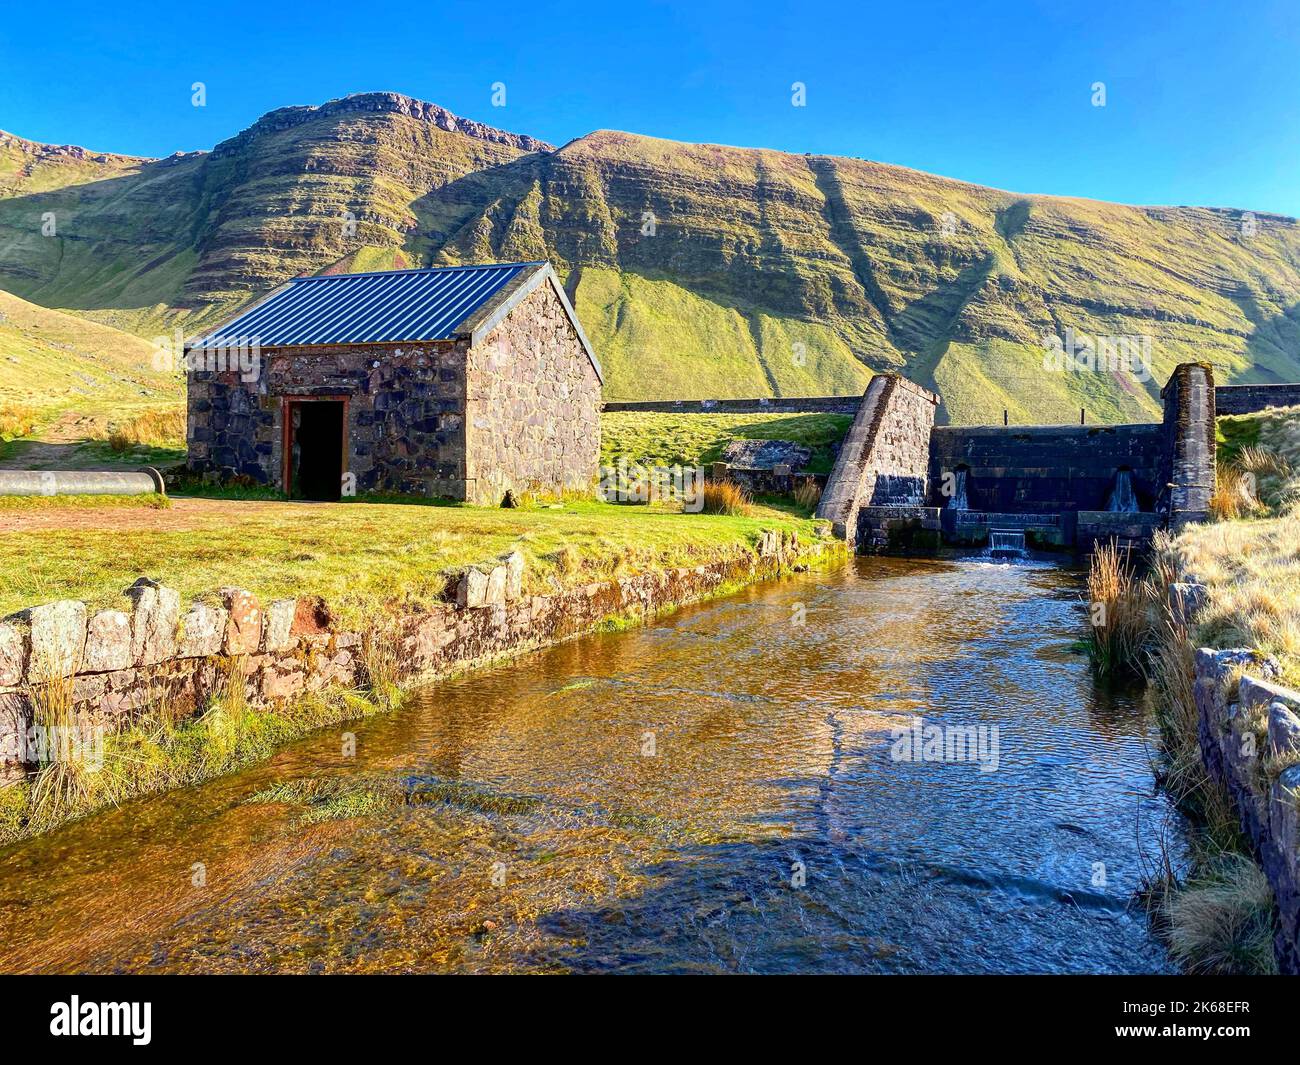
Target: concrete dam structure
901,484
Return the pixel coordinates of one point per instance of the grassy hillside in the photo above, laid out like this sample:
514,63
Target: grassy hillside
60,371
699,270
698,439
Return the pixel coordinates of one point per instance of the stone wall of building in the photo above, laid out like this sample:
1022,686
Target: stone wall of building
1250,739
1246,399
405,414
127,664
533,405
884,457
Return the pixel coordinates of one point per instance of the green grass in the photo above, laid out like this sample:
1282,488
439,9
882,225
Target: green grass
160,755
365,557
28,504
698,439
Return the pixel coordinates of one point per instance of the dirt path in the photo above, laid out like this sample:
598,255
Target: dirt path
60,446
184,514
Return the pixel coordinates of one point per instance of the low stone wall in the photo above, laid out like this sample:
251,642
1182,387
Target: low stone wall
125,664
1250,739
763,482
1100,526
774,405
1246,399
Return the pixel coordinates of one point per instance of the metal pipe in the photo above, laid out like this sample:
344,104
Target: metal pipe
147,481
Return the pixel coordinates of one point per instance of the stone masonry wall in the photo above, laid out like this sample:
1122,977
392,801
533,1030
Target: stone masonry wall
762,405
1187,470
127,663
1046,469
1246,399
1249,731
884,457
533,405
405,423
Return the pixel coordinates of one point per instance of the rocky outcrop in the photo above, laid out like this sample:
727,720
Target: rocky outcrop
377,103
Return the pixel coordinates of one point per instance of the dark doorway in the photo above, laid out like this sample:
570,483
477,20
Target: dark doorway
316,440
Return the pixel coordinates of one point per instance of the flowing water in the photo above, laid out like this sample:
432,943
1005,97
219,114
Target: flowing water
720,791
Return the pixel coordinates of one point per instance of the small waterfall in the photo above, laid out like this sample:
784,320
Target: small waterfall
1123,500
957,501
1007,543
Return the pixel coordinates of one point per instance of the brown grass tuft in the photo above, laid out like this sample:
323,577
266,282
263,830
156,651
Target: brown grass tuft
152,428
808,495
725,497
1117,604
16,420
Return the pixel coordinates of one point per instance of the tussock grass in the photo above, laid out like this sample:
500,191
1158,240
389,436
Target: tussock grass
1234,494
1222,920
1251,571
157,754
17,420
725,497
66,780
1118,603
808,495
380,664
163,427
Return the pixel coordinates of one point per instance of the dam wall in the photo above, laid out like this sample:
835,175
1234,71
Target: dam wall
1059,485
1247,399
884,459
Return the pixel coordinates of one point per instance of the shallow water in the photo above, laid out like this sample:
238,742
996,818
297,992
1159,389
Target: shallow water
717,792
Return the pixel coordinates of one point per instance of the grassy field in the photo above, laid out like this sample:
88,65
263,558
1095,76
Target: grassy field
361,557
1251,566
698,439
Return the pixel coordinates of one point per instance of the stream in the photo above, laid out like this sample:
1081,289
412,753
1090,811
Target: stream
899,766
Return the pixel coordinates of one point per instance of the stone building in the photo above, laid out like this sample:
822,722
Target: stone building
463,382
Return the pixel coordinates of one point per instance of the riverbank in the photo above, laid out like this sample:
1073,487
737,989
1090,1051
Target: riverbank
1215,626
360,557
719,791
187,696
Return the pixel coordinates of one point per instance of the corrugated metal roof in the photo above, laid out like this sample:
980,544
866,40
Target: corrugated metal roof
393,306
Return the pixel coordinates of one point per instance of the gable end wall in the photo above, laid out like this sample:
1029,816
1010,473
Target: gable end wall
532,418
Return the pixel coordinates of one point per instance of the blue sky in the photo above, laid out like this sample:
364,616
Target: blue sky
1201,98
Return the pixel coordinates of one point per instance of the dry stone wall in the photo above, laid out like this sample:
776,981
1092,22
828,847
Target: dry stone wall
1250,740
123,665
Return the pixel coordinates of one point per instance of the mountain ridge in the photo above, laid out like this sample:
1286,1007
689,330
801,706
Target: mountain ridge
700,270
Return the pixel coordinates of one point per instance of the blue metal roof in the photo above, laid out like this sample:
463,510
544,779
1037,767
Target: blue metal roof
391,306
